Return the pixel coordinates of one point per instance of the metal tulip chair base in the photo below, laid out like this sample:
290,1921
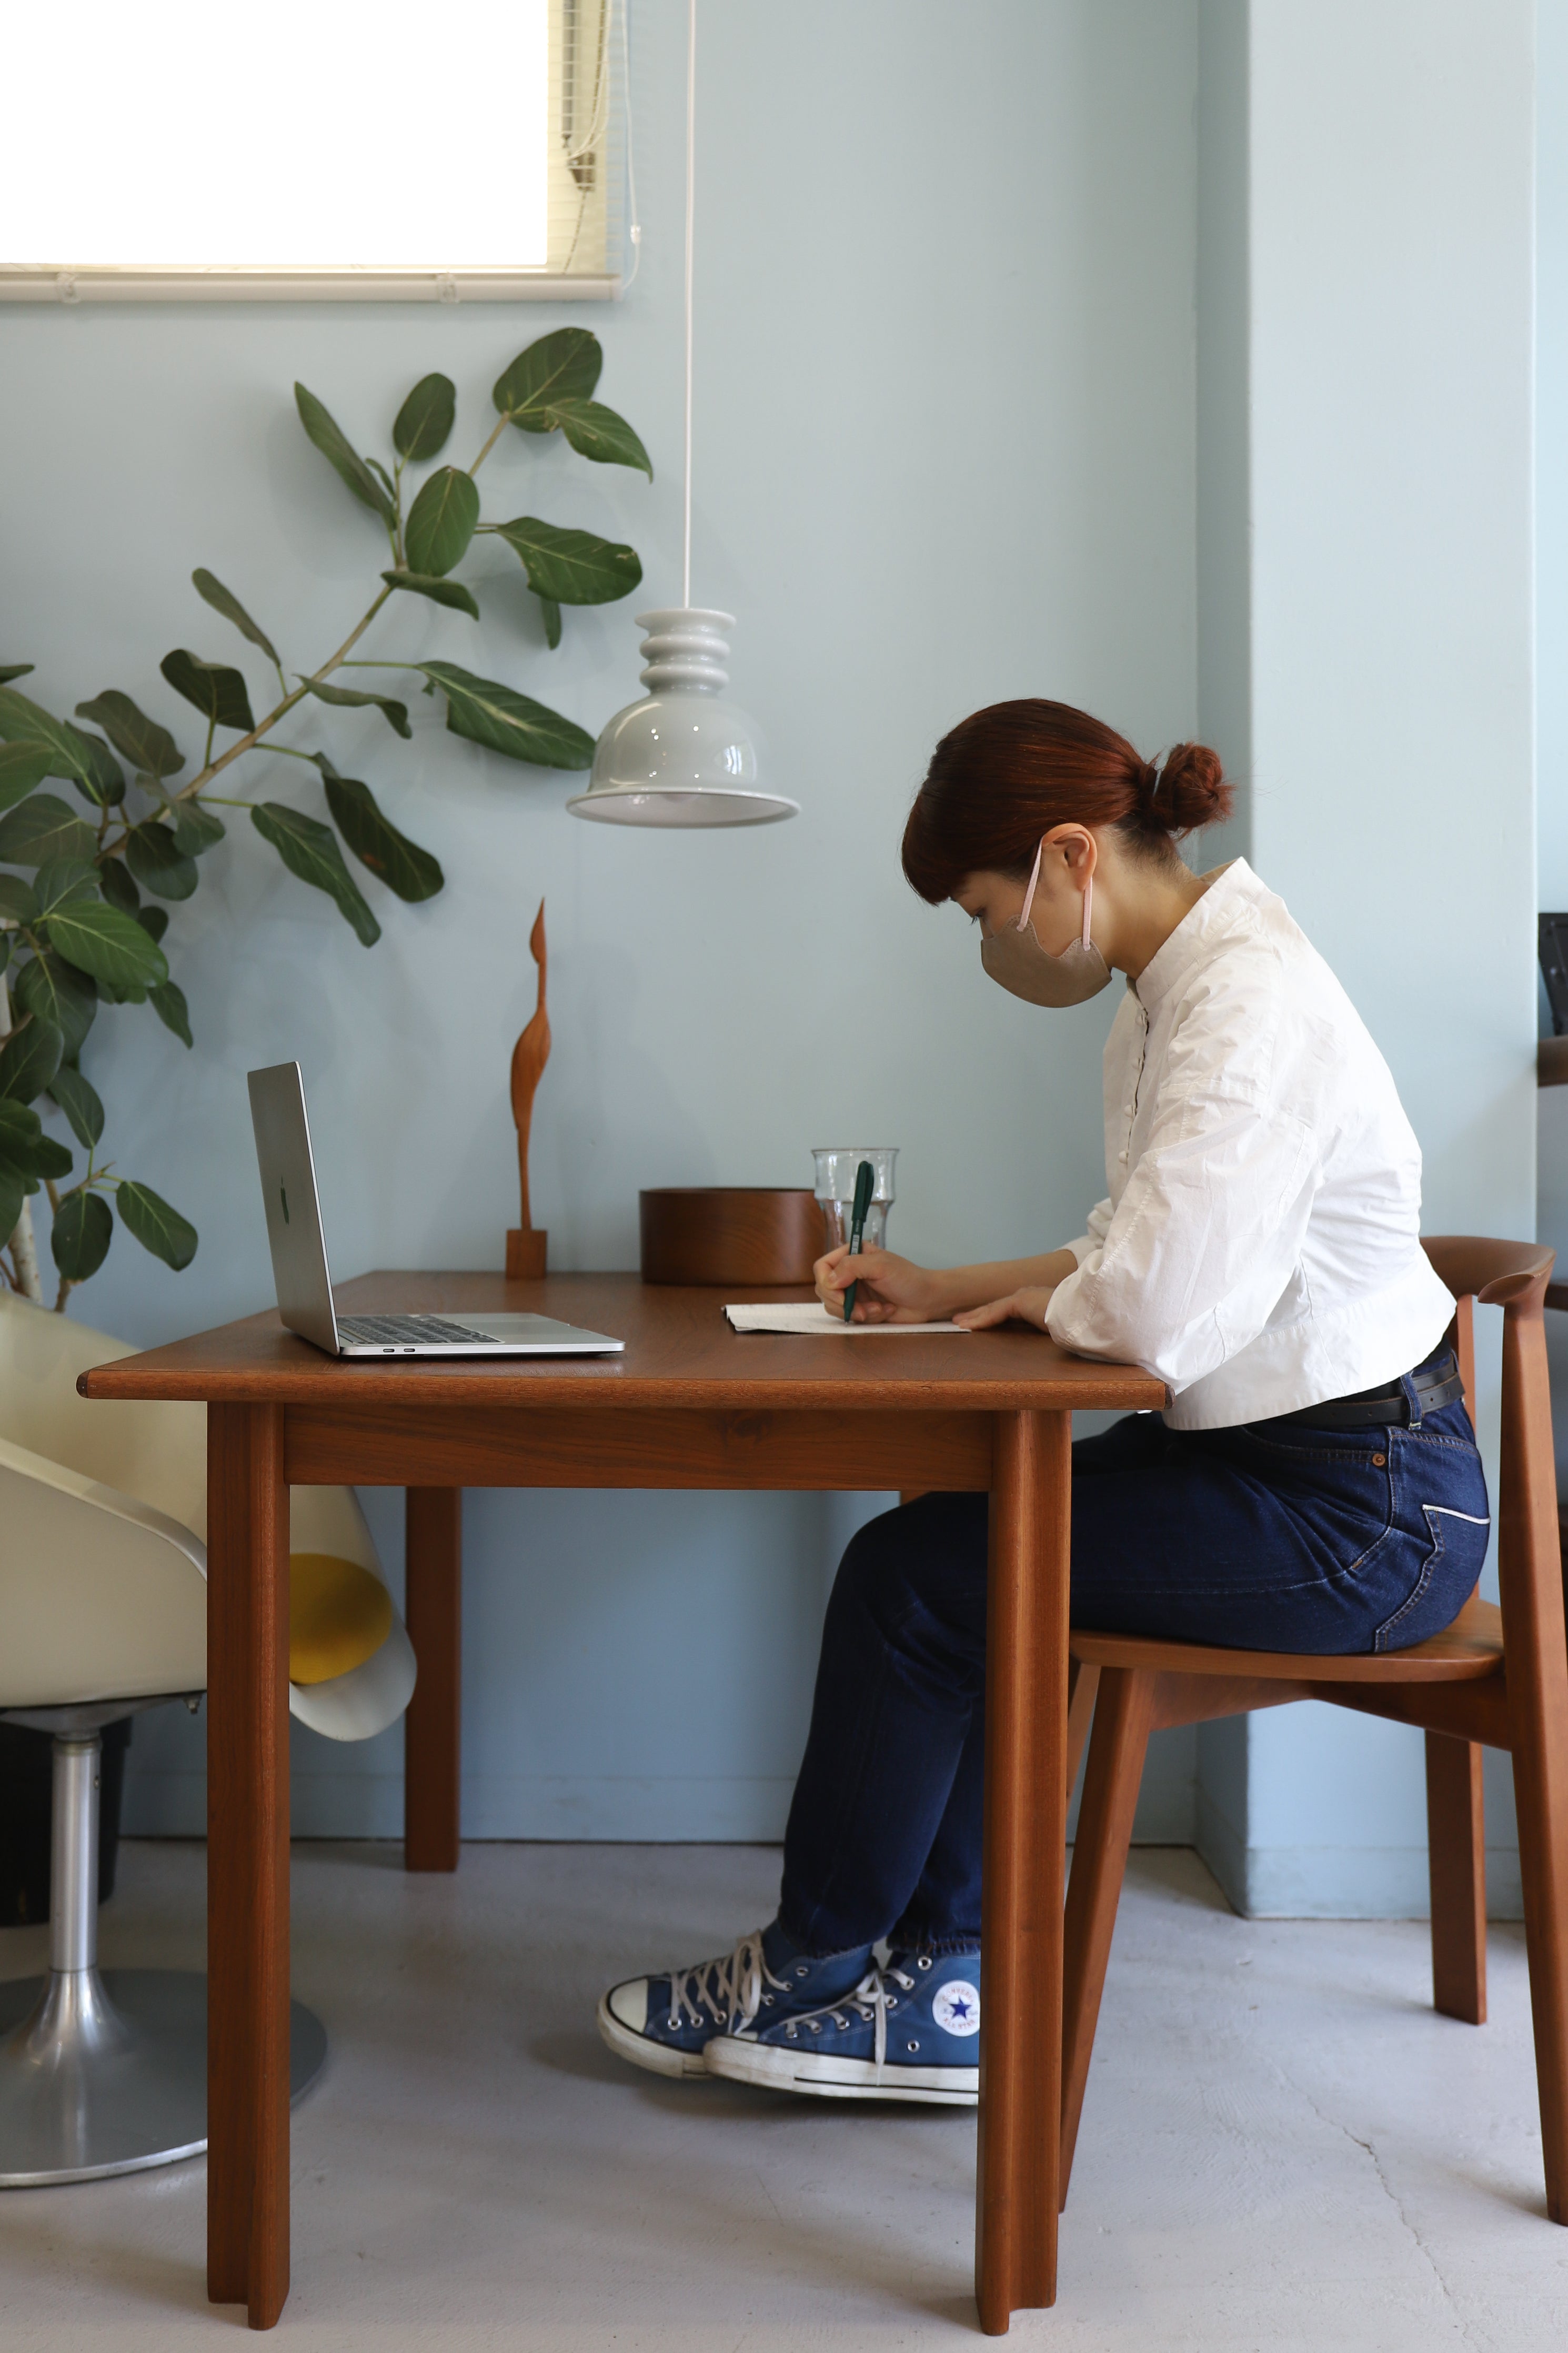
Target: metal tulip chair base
103,2074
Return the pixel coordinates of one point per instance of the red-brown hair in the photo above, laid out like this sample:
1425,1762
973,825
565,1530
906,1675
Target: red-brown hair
1004,777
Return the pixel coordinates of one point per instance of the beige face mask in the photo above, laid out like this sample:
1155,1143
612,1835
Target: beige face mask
1014,958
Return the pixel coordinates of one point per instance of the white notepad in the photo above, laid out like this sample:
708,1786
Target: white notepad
810,1317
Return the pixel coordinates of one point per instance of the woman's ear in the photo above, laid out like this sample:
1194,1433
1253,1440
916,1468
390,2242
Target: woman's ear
1076,849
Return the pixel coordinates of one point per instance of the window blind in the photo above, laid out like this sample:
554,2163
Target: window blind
320,148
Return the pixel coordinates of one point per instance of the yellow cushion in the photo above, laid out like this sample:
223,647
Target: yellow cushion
338,1616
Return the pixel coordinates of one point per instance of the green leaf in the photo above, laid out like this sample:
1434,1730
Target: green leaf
334,446
23,721
82,1233
5,949
22,766
441,521
80,1103
425,417
169,1003
24,1147
309,850
217,692
110,945
375,842
440,592
83,1230
196,830
156,1227
384,479
551,613
54,991
561,366
14,1190
150,749
18,900
62,881
571,567
8,670
154,922
154,857
29,1059
106,785
349,697
47,1157
504,720
597,432
42,829
117,886
223,600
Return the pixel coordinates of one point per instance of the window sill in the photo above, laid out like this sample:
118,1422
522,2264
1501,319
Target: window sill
259,285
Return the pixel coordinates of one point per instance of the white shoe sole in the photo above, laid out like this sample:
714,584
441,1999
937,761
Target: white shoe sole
643,2052
824,2078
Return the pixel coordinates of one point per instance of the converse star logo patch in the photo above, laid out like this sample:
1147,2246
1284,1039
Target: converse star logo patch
956,2006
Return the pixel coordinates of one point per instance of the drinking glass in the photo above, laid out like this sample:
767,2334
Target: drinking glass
837,1168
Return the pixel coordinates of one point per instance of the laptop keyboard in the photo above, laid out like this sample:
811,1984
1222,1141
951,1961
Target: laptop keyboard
403,1331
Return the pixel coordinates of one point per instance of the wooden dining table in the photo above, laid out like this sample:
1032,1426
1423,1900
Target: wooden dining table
690,1404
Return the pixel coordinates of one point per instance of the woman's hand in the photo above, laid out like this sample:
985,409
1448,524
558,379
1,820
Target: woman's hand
1027,1306
889,1289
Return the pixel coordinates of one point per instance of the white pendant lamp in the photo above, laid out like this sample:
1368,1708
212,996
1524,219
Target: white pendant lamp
683,755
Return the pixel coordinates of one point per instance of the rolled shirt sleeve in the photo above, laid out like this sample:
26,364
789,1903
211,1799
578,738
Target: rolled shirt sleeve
1205,1239
1098,1224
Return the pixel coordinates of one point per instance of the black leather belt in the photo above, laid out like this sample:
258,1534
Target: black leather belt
1436,1384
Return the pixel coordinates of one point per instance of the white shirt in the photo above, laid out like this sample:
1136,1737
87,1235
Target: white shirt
1259,1250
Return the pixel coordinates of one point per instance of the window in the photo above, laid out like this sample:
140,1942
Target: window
326,148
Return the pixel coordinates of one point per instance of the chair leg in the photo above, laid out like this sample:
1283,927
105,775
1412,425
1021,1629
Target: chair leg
1122,1717
1083,1683
1457,1860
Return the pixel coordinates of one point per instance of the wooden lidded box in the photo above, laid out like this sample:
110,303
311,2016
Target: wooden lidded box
739,1235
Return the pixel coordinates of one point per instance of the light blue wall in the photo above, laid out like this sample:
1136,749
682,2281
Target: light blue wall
1377,498
945,453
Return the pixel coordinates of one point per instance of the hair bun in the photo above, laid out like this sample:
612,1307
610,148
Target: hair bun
1189,790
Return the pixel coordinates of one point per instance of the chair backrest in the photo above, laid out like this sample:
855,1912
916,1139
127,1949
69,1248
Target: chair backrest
155,1451
1513,1276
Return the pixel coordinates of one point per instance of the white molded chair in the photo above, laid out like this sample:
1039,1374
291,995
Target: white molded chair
103,1614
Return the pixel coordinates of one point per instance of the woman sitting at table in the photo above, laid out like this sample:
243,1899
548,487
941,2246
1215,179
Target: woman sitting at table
1314,1487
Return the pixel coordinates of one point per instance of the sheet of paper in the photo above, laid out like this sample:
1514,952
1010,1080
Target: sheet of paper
810,1317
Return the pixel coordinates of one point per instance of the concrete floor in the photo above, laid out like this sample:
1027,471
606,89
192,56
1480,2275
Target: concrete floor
1282,2146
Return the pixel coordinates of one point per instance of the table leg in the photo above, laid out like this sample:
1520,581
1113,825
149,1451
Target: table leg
248,1861
1024,1862
432,1735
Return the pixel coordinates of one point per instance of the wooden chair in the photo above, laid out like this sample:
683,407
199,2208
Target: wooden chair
1497,1678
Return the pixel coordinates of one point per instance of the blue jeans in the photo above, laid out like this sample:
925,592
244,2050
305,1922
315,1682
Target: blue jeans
1265,1536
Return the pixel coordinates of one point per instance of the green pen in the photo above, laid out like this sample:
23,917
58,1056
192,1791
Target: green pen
864,1185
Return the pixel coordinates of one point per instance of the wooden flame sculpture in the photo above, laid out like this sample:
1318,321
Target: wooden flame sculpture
525,1244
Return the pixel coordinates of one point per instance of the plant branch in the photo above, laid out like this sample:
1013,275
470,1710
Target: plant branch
502,425
264,726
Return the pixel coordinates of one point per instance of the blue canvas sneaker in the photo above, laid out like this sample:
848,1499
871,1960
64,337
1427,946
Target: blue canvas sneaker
907,2031
664,2023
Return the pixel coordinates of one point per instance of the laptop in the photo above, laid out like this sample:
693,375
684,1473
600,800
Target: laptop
300,1260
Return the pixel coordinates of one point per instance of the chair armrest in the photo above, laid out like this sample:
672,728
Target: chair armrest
101,1596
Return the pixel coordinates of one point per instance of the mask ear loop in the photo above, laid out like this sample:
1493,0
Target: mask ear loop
1023,923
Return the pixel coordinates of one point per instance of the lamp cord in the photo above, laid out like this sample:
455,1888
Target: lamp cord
690,215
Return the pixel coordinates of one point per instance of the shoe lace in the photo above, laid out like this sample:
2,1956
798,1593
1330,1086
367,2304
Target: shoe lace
871,2003
729,1989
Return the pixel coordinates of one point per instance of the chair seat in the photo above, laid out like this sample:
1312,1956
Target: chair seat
1468,1650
